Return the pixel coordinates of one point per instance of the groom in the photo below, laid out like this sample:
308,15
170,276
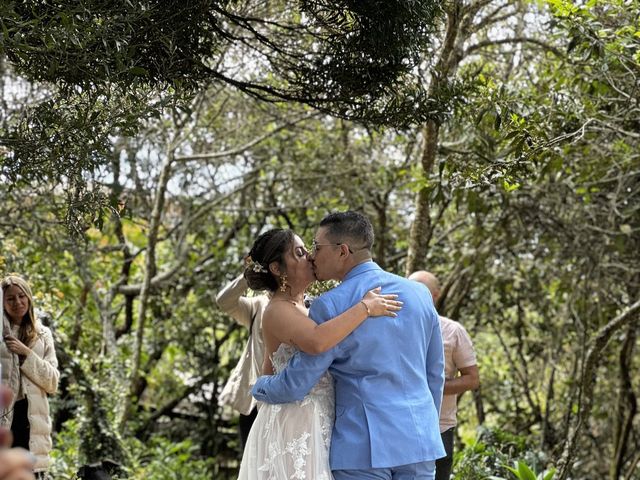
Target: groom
389,373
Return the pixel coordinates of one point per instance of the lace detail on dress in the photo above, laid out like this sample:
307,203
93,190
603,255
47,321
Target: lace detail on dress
291,441
280,358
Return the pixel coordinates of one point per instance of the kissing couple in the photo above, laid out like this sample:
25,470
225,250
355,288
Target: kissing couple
352,387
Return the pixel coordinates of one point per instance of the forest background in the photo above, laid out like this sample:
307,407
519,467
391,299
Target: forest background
145,144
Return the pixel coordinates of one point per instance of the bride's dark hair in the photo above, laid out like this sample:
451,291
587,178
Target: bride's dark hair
269,247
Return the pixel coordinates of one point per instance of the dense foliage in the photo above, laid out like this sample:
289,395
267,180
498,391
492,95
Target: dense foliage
521,192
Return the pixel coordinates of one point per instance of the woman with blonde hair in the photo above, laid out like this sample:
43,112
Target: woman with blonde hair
30,369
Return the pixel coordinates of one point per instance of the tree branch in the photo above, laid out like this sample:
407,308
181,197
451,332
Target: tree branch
247,146
489,43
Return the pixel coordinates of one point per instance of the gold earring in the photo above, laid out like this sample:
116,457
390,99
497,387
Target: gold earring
283,282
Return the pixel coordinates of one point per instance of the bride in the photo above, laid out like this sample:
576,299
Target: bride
291,441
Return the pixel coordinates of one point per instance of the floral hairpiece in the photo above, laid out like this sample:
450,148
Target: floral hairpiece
255,266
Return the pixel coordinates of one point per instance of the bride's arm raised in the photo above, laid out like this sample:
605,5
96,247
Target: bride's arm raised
290,325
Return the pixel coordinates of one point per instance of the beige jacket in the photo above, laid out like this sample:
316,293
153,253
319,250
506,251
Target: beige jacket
39,376
237,391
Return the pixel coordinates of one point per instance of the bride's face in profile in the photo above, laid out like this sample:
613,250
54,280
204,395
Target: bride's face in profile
299,268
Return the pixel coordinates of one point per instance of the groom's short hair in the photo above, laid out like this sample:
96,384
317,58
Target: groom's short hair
352,227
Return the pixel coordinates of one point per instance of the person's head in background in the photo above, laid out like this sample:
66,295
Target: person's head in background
429,280
17,303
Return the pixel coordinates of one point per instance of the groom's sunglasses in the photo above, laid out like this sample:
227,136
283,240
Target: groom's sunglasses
315,245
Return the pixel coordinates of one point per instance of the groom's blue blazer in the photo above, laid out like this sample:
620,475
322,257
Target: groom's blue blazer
389,375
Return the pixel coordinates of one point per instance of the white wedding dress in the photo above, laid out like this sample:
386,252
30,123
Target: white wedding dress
291,440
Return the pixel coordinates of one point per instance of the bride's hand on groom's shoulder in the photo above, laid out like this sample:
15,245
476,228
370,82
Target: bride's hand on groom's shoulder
379,304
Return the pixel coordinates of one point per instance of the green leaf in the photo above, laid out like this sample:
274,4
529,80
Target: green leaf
549,475
512,470
481,115
524,472
626,229
138,71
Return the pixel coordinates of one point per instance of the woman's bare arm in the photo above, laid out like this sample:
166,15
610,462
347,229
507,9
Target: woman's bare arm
289,323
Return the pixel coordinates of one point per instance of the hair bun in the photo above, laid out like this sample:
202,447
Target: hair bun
260,280
269,247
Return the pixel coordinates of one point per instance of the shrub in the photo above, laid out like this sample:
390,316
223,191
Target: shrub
488,457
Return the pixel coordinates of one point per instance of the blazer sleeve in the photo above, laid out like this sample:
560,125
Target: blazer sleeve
43,371
435,362
303,372
232,301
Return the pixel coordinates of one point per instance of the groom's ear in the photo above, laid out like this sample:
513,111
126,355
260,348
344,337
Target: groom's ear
344,250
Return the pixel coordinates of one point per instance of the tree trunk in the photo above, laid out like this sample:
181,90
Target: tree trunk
477,400
587,384
421,228
627,406
548,435
380,203
150,269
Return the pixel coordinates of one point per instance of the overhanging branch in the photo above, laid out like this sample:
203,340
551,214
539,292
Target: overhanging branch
503,41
